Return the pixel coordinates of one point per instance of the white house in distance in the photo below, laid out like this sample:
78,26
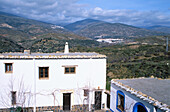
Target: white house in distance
53,81
140,95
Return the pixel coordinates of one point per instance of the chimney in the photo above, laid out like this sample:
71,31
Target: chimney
66,50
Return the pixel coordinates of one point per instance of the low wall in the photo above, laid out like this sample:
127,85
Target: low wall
75,108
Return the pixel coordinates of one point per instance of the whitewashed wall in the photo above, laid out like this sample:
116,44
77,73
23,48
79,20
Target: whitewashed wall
90,73
22,72
130,101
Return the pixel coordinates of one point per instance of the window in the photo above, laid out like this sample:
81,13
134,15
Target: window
8,68
70,70
43,72
86,92
120,103
13,97
139,107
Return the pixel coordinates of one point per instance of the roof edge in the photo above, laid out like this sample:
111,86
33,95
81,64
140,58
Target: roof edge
141,95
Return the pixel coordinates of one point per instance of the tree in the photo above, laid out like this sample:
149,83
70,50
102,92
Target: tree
16,96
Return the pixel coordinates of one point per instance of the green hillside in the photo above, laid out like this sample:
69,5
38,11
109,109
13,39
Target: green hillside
133,61
7,45
25,32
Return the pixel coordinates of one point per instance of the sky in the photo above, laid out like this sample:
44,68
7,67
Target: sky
131,12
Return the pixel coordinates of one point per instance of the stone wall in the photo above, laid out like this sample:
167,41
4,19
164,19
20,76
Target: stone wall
75,108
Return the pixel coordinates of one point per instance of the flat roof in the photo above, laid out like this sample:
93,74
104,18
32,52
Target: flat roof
52,55
152,89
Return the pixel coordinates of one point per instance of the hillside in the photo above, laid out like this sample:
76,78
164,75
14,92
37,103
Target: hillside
25,32
78,25
95,28
133,61
7,45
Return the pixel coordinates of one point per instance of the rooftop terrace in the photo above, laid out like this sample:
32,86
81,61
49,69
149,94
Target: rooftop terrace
51,55
155,91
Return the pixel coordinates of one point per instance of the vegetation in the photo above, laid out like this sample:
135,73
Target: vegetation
26,32
56,45
7,45
131,61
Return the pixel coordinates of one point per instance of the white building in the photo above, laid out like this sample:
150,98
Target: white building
53,81
140,95
110,40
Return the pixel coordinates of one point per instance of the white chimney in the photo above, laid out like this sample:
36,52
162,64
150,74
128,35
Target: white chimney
66,50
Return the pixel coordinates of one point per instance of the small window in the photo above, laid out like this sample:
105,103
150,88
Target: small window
43,72
70,70
13,97
86,92
8,68
120,101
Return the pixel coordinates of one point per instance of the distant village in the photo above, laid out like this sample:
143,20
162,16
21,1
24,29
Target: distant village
111,41
103,38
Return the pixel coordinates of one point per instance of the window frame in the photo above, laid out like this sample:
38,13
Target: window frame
43,73
69,70
86,92
136,106
120,93
11,67
13,97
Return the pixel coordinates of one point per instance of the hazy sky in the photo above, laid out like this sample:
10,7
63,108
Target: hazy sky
132,12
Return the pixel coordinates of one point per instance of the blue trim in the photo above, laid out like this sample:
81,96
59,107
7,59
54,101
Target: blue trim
111,110
121,93
135,107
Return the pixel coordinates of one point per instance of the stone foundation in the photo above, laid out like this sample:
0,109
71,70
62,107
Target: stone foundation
75,108
80,108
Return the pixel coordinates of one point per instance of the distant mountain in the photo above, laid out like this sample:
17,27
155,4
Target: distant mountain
100,29
77,26
26,32
159,28
17,28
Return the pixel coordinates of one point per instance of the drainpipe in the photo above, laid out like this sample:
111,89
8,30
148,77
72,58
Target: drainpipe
34,95
89,99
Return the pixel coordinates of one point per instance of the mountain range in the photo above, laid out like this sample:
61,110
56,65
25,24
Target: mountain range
27,32
164,29
27,28
100,29
18,33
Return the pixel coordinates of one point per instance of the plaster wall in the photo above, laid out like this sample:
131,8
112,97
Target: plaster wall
90,74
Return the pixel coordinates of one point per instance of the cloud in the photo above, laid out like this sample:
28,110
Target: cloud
132,17
66,11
